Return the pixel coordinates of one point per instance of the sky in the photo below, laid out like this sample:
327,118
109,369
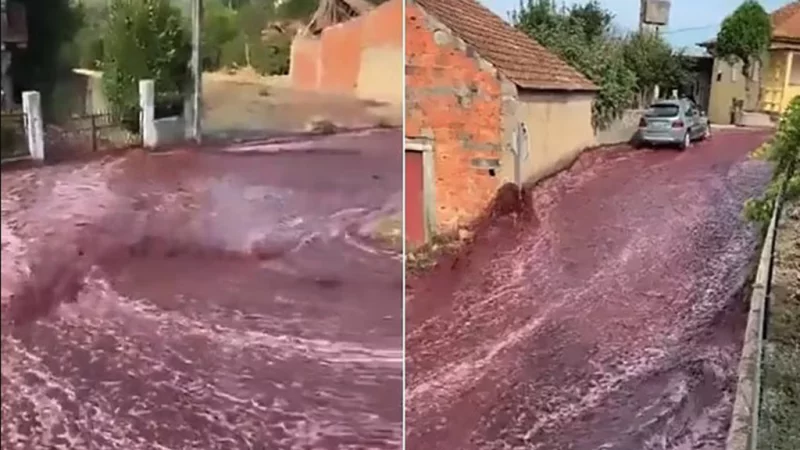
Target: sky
691,21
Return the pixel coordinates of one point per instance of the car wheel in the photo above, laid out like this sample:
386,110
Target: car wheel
686,142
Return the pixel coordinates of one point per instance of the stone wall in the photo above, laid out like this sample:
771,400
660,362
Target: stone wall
621,130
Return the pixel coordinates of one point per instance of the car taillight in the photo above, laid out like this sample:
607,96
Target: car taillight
677,124
642,123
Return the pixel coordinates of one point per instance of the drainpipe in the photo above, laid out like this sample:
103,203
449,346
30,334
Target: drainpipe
520,150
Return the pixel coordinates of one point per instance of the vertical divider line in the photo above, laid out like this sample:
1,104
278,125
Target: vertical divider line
403,227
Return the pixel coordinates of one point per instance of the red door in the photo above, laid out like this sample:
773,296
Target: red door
414,207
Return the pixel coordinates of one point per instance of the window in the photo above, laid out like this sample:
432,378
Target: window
719,75
663,110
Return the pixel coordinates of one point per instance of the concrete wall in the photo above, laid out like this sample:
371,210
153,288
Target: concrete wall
727,83
363,56
559,128
621,130
90,83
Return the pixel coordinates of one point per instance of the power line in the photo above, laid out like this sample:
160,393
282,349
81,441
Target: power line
682,30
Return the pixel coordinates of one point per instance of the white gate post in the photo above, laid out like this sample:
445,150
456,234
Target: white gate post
34,125
147,99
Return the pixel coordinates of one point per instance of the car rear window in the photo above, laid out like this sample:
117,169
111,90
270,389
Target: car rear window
663,110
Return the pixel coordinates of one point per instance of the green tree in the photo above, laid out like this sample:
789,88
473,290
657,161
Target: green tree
784,152
219,28
580,35
297,9
592,18
655,63
744,37
145,40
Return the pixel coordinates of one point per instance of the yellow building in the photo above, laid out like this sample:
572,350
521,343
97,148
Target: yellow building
781,76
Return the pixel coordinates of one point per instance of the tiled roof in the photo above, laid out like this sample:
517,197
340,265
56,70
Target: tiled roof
520,58
786,22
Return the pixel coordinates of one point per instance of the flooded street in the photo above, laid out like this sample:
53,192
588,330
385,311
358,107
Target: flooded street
611,320
205,299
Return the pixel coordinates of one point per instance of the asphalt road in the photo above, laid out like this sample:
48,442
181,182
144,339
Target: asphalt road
226,298
611,320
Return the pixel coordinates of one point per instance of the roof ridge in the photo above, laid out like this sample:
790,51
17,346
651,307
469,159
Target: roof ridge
519,57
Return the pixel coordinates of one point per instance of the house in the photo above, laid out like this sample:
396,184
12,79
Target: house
471,80
781,75
778,80
14,36
728,85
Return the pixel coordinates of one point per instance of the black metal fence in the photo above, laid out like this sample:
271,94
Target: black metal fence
13,139
87,133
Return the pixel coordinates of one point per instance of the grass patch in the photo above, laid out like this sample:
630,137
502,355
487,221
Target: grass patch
424,257
780,418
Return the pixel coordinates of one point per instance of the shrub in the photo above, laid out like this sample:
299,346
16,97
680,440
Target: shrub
219,28
784,151
145,40
271,57
581,36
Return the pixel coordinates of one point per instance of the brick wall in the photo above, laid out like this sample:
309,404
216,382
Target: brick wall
352,57
305,63
340,56
454,99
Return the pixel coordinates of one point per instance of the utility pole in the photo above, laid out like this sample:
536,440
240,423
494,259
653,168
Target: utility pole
197,71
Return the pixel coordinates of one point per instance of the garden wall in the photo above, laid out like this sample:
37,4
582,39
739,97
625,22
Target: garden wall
362,57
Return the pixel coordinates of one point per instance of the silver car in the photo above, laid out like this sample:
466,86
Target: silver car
673,122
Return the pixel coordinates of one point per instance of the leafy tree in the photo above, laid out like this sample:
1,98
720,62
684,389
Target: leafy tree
580,35
655,64
145,40
592,18
297,9
784,152
86,50
52,24
219,27
745,36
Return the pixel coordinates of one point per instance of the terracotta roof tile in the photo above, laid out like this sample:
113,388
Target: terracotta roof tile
517,56
786,21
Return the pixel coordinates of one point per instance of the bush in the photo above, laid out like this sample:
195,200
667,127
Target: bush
219,28
234,52
145,40
581,36
271,57
784,151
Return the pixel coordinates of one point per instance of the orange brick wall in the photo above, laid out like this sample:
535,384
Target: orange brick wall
304,69
450,99
341,56
332,62
384,26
